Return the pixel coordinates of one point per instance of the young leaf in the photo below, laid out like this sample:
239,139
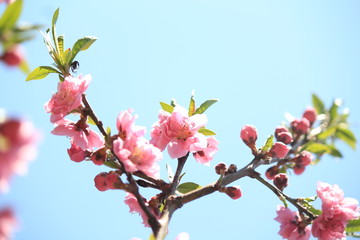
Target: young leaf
61,44
353,226
318,104
192,105
206,132
203,107
10,16
81,45
166,107
268,144
346,136
24,67
334,151
110,164
327,133
187,187
333,111
53,29
41,72
317,148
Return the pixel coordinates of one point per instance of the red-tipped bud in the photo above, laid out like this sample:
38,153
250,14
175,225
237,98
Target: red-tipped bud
13,57
113,181
220,168
300,126
100,181
304,158
231,169
279,150
272,172
280,129
249,135
310,114
76,154
285,137
281,181
99,156
299,169
234,192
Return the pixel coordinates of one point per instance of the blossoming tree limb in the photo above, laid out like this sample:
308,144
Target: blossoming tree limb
183,133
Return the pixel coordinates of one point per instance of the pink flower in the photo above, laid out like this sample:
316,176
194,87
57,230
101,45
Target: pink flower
133,150
80,133
178,132
8,223
100,181
13,56
183,236
249,135
18,140
337,211
300,126
310,114
291,226
205,155
134,206
105,181
279,150
68,97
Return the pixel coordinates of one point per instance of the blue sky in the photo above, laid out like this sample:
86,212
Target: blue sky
261,59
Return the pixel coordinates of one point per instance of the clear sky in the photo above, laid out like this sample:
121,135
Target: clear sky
260,58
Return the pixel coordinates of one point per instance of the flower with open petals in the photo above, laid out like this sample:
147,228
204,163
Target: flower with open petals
67,98
134,206
205,155
80,133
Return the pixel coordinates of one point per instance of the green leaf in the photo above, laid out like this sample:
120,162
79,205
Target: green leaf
192,105
327,133
166,107
53,29
61,44
188,187
24,67
268,144
318,104
81,45
10,16
170,173
347,136
206,132
151,237
41,72
353,226
333,111
317,148
334,151
110,164
203,107
90,121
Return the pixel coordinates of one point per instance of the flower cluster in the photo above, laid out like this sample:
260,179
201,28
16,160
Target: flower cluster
18,146
337,211
180,134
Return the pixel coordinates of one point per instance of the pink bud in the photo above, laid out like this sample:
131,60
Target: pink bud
310,114
99,156
299,169
76,154
100,181
279,150
234,192
13,56
113,181
272,172
231,169
249,135
300,126
304,158
285,137
281,181
220,168
279,130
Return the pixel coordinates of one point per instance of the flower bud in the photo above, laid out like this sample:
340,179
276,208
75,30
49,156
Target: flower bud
232,168
279,150
249,135
234,192
13,56
76,154
272,172
113,181
304,158
100,181
300,126
310,115
280,129
281,181
285,137
299,169
99,156
220,168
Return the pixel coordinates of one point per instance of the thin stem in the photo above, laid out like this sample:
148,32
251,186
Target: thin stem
88,110
280,194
